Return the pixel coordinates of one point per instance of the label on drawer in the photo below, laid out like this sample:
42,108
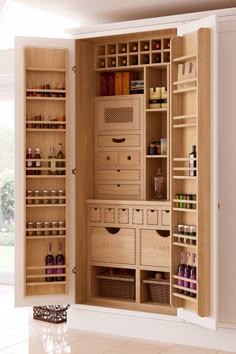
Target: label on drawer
154,248
113,245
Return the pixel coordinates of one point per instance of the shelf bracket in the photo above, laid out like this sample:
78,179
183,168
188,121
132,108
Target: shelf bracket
74,270
74,69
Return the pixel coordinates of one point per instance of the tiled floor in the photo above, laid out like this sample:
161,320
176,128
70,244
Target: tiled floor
19,334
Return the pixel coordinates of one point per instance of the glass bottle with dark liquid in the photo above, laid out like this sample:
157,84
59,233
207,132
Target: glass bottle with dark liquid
60,260
193,275
181,268
49,261
187,271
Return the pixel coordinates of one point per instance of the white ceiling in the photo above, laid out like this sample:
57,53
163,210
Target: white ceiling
91,12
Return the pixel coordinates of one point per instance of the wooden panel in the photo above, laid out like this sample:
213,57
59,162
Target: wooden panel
113,245
118,175
154,249
118,189
129,158
165,218
118,140
152,216
45,58
107,158
116,113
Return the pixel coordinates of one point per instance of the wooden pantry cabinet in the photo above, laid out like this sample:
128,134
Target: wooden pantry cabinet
125,240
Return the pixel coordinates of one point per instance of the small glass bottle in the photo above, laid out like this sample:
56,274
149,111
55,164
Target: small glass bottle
60,164
192,162
37,163
159,184
29,162
52,163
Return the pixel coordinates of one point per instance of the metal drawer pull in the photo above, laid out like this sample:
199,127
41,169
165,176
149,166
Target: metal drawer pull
118,141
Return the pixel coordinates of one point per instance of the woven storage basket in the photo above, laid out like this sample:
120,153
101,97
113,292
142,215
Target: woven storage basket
52,314
116,287
159,291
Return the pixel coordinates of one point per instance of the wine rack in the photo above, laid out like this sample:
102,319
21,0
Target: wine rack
132,53
46,201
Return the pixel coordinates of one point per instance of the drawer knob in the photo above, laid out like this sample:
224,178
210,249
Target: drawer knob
129,157
118,141
108,157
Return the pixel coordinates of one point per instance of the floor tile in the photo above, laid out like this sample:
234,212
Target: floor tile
180,349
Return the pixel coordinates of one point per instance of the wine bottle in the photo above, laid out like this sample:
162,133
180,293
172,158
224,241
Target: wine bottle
52,163
37,164
60,260
187,271
124,61
60,164
193,275
146,59
192,162
49,261
134,48
146,46
181,268
158,45
29,164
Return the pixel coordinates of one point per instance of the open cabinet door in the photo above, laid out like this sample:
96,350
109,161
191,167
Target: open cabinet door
45,185
194,122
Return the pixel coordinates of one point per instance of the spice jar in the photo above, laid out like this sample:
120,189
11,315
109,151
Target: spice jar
37,195
46,226
61,194
54,226
61,224
53,194
29,225
39,225
45,194
29,194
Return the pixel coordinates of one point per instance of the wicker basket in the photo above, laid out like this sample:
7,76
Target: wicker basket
159,290
116,287
52,314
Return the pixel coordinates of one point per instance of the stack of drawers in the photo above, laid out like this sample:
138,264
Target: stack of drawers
119,148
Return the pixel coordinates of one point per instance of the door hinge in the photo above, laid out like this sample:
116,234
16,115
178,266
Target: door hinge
74,68
74,270
73,171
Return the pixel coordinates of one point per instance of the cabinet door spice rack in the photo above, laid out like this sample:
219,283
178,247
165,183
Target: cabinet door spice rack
46,190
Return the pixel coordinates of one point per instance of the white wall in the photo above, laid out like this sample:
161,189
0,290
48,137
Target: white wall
227,175
6,74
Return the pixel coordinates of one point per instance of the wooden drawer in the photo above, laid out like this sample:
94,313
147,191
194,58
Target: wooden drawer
137,216
118,189
118,113
107,158
114,245
118,175
152,217
95,214
109,215
165,217
129,158
154,248
118,140
123,216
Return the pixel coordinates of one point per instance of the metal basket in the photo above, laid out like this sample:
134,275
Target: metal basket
52,314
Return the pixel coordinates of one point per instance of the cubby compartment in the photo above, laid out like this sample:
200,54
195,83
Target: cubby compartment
155,287
113,283
165,217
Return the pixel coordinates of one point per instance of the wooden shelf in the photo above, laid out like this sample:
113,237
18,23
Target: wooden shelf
156,156
187,125
46,283
45,237
185,81
156,110
35,98
185,297
50,130
186,89
185,209
185,177
184,245
63,70
185,116
185,58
